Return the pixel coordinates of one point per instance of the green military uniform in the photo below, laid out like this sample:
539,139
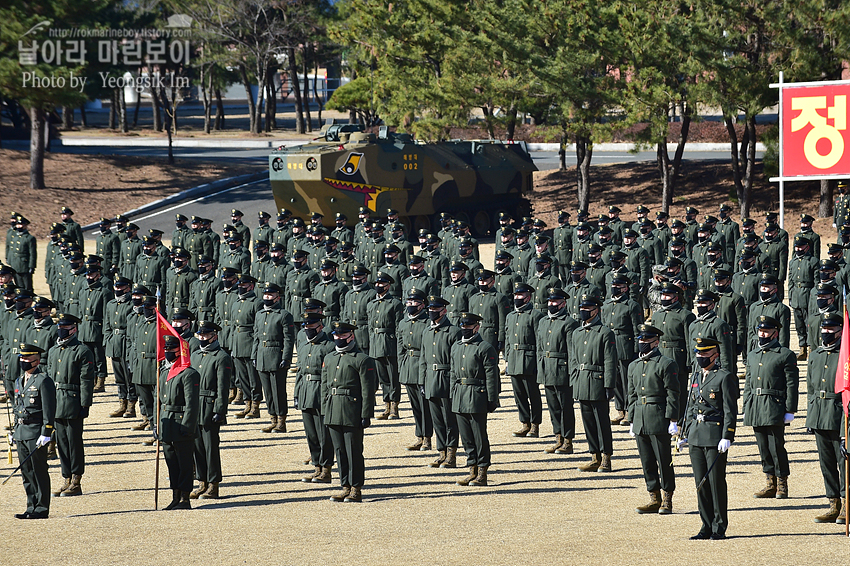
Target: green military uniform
330,291
506,277
347,264
71,366
224,300
711,414
143,365
348,399
732,309
773,308
577,288
43,332
653,401
73,229
458,292
709,325
493,307
777,250
108,246
419,278
264,233
521,357
637,260
475,392
50,258
434,366
802,272
300,283
770,396
384,313
356,304
542,280
409,347
203,292
278,270
622,316
93,301
116,342
674,321
22,254
16,331
243,312
806,231
562,239
274,339
241,229
178,282
35,409
824,293
436,264
199,243
150,267
180,235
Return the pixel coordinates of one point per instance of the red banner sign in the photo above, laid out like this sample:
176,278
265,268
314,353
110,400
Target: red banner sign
816,139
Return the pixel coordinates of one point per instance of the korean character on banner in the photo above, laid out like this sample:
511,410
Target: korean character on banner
132,50
51,52
155,51
107,51
75,51
809,107
27,55
179,52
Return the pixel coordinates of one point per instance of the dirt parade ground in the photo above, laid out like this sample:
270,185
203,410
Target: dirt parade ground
538,508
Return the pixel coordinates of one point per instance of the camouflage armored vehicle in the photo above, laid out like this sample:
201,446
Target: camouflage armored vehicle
346,168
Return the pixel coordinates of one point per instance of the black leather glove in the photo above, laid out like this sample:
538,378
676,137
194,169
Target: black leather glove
492,406
185,431
843,447
809,431
501,345
217,418
84,412
365,423
609,393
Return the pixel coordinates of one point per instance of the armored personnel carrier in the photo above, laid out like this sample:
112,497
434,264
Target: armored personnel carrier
346,168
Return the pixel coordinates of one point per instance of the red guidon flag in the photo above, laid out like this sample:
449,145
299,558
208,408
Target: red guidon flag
842,374
163,328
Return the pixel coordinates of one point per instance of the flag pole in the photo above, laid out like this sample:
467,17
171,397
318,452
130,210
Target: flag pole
846,482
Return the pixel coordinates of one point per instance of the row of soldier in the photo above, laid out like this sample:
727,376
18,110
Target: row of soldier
369,300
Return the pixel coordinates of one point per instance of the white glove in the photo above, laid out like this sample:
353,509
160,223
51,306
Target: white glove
789,417
681,443
723,445
632,430
10,439
673,429
42,441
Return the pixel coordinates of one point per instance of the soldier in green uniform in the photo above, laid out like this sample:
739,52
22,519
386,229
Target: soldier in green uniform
409,347
43,331
770,401
342,232
709,431
506,277
330,291
356,304
553,337
116,314
183,322
593,375
274,338
278,270
16,330
826,304
505,222
801,280
419,278
637,259
597,269
729,229
347,263
300,282
713,260
542,280
348,400
623,316
475,392
22,254
745,281
203,290
131,247
179,406
150,266
93,301
459,291
264,233
806,231
307,395
674,321
284,228
579,285
108,246
72,228
384,313
692,226
181,233
243,312
824,414
777,250
562,240
35,410
770,305
492,306
70,364
653,401
662,230
53,250
709,325
243,230
262,261
521,357
436,264
144,366
732,309
620,270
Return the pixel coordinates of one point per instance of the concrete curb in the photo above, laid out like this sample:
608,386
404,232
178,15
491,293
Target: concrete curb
194,192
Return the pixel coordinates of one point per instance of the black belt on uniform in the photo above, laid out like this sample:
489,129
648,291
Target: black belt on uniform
314,377
525,347
148,355
271,343
765,391
470,381
208,393
438,367
649,399
68,386
174,408
672,344
559,355
591,367
828,395
341,391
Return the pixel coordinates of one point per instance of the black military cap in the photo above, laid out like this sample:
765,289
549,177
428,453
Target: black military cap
346,246
437,302
343,328
835,248
196,219
29,350
331,240
826,289
155,233
676,223
433,239
614,208
725,207
670,289
583,226
747,253
594,248
261,244
10,289
384,277
245,278
93,259
641,209
364,210
180,218
461,224
706,295
328,264
416,294
415,259
282,216
66,210
647,223
691,210
504,255
748,222
581,214
806,218
23,294
57,228
391,249
648,331
768,322
768,279
391,211
709,219
208,327
721,273
801,241
313,303
77,255
617,255
770,216
180,313
629,233
458,266
149,300
229,272
484,274
520,287
715,247
171,342
468,319
539,222
67,319
543,258
204,260
661,215
621,279
507,216
750,238
93,269
236,212
521,233
140,290
771,227
604,230
828,265
845,229
272,288
122,282
705,344
297,223
557,294
704,227
341,216
298,254
360,270
234,237
181,252
377,227
590,301
132,227
103,220
577,265
263,214
316,216
44,303
7,270
311,317
832,320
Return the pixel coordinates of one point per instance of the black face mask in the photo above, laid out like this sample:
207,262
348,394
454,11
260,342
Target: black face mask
63,333
666,302
9,303
103,228
329,248
617,292
277,260
381,289
644,347
828,338
765,295
413,310
576,277
37,315
585,315
764,340
311,333
269,302
553,309
713,257
676,252
120,292
75,266
243,290
519,302
91,281
826,275
500,265
204,343
467,333
434,315
703,310
704,361
722,288
768,238
340,343
26,365
137,302
20,306
171,356
234,245
702,239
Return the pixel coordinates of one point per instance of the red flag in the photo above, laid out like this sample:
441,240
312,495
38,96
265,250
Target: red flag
842,374
163,328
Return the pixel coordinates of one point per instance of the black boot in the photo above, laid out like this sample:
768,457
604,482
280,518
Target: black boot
184,501
175,499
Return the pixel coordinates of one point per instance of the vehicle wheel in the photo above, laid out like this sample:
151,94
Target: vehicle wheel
481,223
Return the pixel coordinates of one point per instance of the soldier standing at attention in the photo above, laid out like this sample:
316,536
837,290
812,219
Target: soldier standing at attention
35,407
709,431
348,400
593,376
300,282
118,311
243,230
180,236
802,270
709,325
492,307
434,363
475,392
108,246
674,321
93,301
215,368
72,228
264,233
506,277
554,335
71,366
243,313
23,254
772,306
770,401
274,337
623,316
330,291
409,348
654,413
179,409
419,278
384,313
356,304
342,232
521,357
144,365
